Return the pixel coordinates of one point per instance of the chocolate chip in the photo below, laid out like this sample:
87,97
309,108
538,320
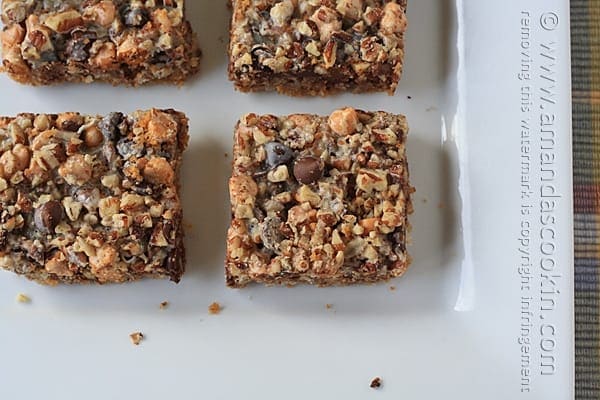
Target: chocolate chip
308,169
109,125
48,216
277,154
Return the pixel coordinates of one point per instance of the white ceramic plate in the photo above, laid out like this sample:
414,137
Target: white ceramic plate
458,323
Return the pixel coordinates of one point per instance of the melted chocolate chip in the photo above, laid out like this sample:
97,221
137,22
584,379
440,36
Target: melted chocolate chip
308,169
48,216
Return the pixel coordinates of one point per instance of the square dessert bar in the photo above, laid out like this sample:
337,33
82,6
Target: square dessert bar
317,47
129,42
319,200
92,199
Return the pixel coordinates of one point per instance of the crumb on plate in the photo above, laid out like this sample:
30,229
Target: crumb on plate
393,288
136,338
164,305
215,308
22,298
376,383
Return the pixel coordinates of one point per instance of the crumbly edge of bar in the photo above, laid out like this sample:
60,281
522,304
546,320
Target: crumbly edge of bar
176,257
176,71
308,83
242,278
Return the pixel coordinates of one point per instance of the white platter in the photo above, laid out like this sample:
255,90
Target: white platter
453,326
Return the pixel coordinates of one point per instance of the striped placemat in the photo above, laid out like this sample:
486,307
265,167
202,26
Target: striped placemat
585,41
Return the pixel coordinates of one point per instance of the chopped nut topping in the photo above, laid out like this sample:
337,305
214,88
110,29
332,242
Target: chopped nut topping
282,12
310,47
280,174
344,122
330,222
86,198
45,42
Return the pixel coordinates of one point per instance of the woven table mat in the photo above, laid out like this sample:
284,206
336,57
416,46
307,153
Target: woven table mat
585,41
